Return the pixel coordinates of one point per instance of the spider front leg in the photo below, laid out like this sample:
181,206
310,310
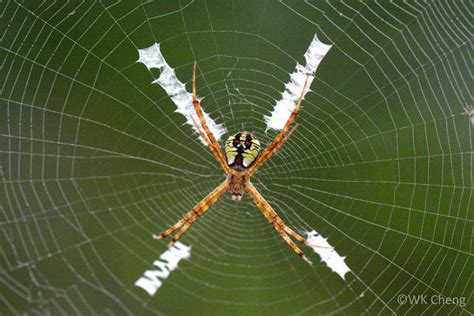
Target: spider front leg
195,213
210,146
281,138
276,221
207,134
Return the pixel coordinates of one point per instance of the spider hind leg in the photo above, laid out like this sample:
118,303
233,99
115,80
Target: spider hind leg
277,223
194,213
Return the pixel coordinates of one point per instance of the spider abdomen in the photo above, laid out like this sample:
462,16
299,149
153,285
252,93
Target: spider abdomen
241,150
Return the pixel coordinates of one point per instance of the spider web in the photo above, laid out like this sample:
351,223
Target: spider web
94,157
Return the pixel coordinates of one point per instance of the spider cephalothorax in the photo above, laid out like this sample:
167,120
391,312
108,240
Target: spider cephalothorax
240,163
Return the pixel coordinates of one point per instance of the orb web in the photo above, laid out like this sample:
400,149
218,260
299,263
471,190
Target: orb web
94,158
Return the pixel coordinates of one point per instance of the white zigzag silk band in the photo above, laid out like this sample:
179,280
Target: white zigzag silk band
151,57
285,106
328,254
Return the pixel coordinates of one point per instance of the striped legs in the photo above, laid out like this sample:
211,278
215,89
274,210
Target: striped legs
276,221
195,213
207,135
280,139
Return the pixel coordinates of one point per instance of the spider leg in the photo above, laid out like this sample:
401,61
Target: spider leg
210,139
170,230
183,229
270,152
209,145
280,139
295,235
276,221
196,212
203,136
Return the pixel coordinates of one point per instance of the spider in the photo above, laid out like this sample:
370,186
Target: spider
240,163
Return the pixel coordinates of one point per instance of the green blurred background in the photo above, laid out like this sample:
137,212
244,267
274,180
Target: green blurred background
94,158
